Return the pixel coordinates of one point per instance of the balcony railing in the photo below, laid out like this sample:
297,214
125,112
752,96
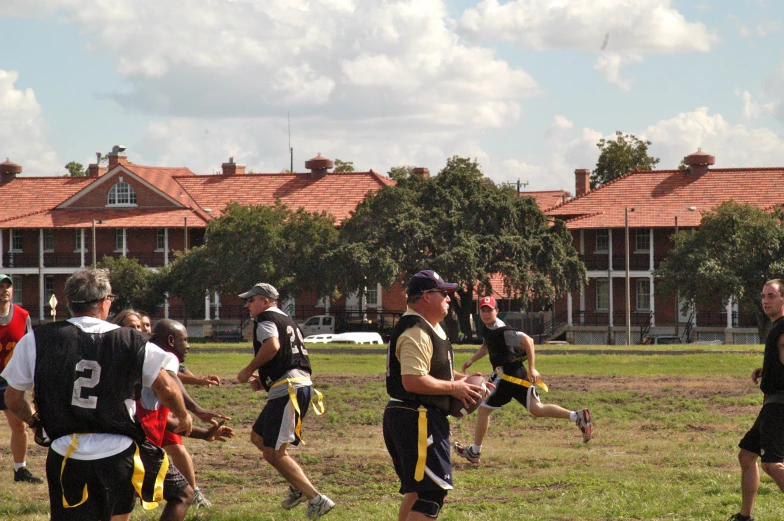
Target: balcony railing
637,261
20,260
74,259
69,260
598,318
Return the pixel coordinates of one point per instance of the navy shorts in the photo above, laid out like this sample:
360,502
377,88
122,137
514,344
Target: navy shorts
278,420
401,435
766,436
3,387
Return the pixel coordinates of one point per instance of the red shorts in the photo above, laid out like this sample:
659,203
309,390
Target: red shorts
169,438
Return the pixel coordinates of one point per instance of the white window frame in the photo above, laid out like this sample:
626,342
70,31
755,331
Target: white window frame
18,289
642,240
122,194
160,239
17,239
602,283
375,293
48,238
78,240
119,239
47,291
604,233
643,294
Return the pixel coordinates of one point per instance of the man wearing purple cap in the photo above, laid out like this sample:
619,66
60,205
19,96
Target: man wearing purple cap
421,381
508,349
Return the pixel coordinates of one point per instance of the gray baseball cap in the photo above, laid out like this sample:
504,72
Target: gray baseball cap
263,289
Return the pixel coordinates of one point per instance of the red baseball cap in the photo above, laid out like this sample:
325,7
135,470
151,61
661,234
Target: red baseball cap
489,302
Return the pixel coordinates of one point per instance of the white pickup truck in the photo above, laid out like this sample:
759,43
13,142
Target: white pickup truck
321,329
318,325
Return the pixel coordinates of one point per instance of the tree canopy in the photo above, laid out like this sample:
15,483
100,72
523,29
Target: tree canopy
135,286
736,249
466,228
620,156
75,169
250,244
344,166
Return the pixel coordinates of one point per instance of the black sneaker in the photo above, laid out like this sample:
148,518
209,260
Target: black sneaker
741,517
24,475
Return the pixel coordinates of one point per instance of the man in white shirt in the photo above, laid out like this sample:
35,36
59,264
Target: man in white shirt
83,373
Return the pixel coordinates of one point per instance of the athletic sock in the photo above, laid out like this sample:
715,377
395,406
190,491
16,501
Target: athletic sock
573,416
18,466
476,449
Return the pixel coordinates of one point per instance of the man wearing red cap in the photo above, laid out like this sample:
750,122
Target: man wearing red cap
508,349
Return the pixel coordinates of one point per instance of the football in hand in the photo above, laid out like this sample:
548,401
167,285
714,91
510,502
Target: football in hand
456,407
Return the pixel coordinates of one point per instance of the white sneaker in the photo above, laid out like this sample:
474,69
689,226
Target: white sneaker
199,500
319,506
466,452
584,424
294,498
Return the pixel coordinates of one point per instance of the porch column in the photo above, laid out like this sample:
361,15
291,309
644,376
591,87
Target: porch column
582,285
125,242
82,246
569,308
207,305
610,279
650,278
40,247
166,263
216,298
1,247
730,303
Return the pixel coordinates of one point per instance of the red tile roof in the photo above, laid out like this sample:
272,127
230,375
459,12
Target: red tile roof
112,218
547,198
658,196
25,195
336,193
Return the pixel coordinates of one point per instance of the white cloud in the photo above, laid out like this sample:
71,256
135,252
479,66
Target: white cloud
22,132
624,30
768,27
754,109
744,31
609,67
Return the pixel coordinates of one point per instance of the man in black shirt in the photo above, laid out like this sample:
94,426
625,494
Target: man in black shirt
766,437
284,372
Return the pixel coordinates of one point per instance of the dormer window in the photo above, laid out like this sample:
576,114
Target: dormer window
122,194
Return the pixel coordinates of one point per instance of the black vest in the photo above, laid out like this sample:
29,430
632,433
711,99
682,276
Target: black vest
500,353
292,353
82,379
772,370
440,365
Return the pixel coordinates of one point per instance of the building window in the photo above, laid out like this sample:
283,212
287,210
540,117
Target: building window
602,241
371,297
642,241
119,239
48,286
122,194
602,295
16,240
17,283
49,240
643,295
78,240
160,239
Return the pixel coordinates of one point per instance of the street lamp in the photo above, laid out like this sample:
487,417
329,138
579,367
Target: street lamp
95,247
628,291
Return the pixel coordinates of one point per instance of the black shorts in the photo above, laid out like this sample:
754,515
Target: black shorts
402,435
110,488
505,391
766,436
3,387
278,420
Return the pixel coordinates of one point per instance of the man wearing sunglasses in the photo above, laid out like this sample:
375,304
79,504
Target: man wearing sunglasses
84,372
420,382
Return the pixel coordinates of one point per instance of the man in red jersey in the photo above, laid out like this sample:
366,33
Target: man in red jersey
14,323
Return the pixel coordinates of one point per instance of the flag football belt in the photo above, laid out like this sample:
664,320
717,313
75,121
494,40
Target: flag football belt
519,381
317,401
137,479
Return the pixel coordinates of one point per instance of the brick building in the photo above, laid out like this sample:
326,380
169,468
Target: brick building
657,203
51,227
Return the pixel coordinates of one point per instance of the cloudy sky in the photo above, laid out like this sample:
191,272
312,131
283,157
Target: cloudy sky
525,86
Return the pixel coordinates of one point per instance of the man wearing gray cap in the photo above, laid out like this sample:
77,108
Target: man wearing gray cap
284,372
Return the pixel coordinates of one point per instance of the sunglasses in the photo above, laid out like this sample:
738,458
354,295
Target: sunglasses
443,292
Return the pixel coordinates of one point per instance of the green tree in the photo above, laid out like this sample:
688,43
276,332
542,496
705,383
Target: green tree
75,169
135,285
620,156
344,166
734,251
250,244
400,172
464,227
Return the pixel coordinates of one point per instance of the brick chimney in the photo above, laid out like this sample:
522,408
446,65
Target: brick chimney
96,170
232,168
421,171
8,171
582,181
699,163
318,166
116,156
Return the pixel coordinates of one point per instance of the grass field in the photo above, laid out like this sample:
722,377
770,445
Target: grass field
664,447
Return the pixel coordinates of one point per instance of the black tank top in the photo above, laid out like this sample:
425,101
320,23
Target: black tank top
292,353
772,370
